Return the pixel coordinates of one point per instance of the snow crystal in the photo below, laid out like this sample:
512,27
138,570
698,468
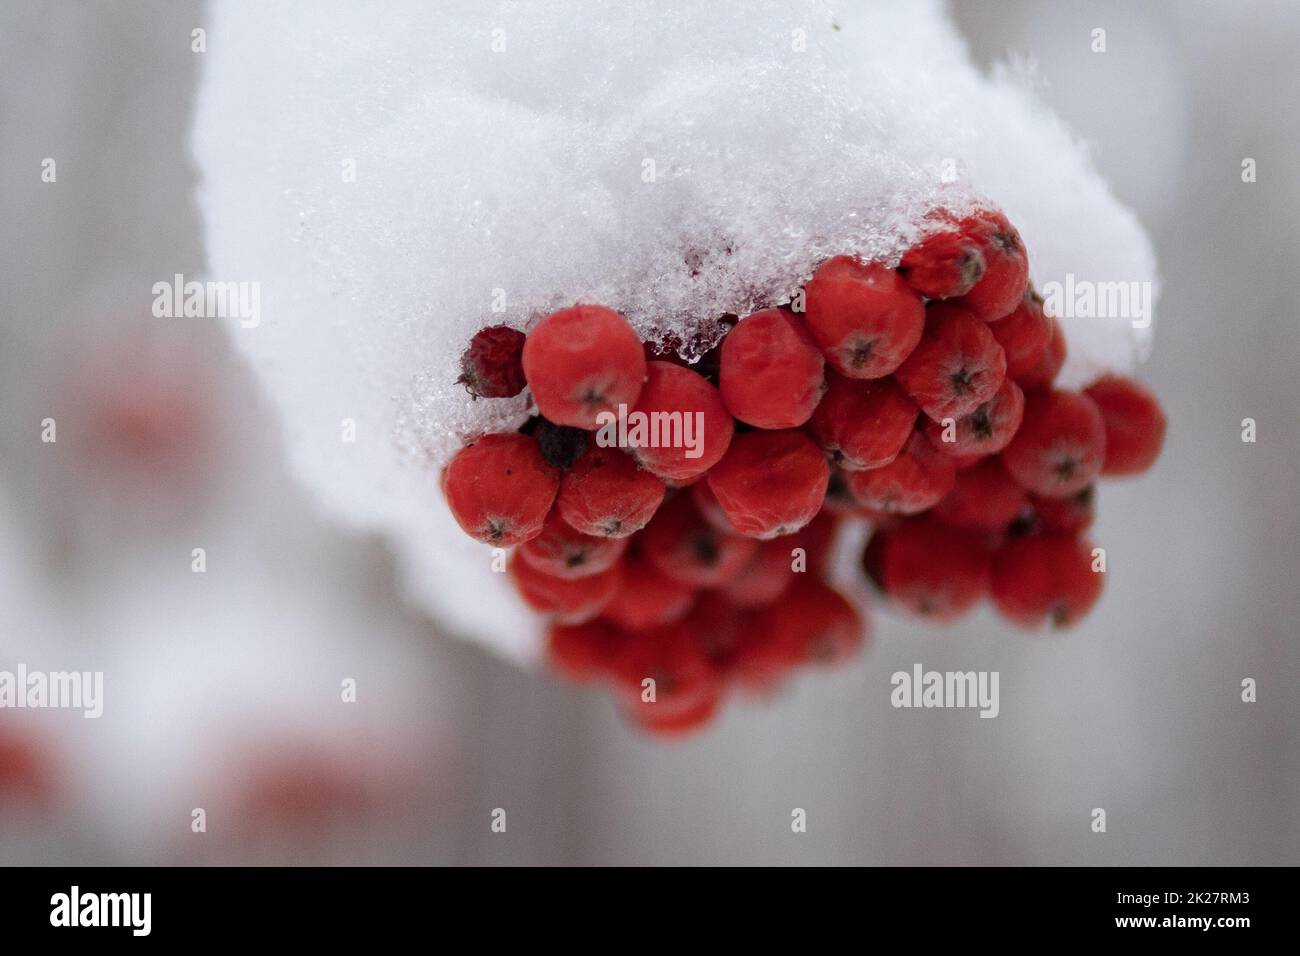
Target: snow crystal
397,176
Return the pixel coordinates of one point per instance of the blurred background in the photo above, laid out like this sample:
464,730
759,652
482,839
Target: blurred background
223,689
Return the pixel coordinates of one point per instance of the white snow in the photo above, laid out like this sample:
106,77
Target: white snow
501,155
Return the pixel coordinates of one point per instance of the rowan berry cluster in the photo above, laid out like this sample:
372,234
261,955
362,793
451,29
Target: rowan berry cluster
690,555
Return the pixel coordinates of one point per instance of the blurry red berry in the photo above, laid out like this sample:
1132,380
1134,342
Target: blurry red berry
930,569
677,722
1135,424
22,772
817,539
569,600
1060,446
682,546
984,498
564,552
582,652
1045,578
647,599
766,576
671,657
814,623
1064,515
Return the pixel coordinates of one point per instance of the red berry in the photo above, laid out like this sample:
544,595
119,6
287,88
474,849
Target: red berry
492,365
684,416
564,552
1006,273
770,483
771,374
817,539
985,431
720,625
500,489
1049,363
606,494
677,722
741,644
814,623
967,462
930,569
673,657
582,361
22,773
1060,446
1135,424
582,652
944,264
982,499
1024,334
647,599
956,367
863,315
1045,577
570,600
760,662
766,576
917,479
862,424
1064,515
682,546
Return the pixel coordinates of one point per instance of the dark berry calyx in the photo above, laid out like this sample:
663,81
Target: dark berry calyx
561,445
981,425
1025,523
705,549
1066,469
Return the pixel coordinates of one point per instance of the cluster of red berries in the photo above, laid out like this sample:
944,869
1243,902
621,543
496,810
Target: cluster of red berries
919,397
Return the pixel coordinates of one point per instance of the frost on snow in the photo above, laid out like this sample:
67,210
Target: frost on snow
395,177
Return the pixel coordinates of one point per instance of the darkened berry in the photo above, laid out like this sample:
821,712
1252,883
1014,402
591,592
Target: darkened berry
492,366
